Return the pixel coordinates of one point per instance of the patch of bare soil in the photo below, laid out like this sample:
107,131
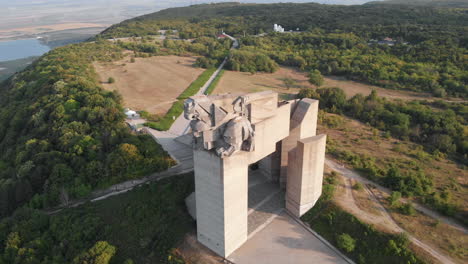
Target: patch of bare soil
150,84
195,253
352,88
243,82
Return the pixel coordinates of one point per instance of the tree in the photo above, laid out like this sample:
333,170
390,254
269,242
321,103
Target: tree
346,242
332,99
316,78
111,80
289,82
100,253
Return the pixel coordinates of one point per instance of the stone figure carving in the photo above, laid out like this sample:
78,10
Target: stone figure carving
222,126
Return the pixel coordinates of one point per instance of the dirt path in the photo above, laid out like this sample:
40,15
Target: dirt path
181,125
346,200
354,175
383,219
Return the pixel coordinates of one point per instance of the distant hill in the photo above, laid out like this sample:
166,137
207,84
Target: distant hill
434,3
253,18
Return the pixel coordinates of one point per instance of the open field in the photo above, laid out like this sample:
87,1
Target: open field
150,84
243,82
352,88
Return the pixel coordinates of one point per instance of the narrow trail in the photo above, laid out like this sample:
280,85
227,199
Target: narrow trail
181,125
383,219
354,175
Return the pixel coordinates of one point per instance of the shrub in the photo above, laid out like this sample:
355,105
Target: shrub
346,242
394,199
358,186
407,209
316,78
111,80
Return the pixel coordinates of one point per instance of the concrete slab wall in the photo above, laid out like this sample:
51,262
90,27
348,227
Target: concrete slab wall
303,124
221,187
305,174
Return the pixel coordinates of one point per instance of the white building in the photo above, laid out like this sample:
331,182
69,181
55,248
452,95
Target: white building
131,114
278,28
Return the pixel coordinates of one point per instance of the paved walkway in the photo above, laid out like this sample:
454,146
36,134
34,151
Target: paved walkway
285,241
181,125
180,152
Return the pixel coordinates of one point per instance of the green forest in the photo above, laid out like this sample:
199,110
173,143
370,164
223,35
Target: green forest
62,136
429,52
121,229
441,132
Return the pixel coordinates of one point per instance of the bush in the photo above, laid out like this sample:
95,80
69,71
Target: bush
316,78
111,80
394,199
358,186
346,242
407,209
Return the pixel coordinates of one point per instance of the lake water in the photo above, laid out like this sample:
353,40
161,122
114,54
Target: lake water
18,49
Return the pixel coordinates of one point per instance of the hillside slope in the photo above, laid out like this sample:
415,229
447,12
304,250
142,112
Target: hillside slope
62,136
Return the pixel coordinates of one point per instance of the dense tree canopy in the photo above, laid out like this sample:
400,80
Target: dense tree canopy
429,52
61,135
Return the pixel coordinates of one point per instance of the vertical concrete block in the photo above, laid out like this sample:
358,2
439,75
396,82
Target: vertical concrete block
303,125
221,187
305,174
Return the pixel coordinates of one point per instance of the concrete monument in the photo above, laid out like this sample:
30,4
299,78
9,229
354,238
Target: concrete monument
230,132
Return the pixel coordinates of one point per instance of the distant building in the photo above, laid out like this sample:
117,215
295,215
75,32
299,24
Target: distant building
221,36
130,114
386,41
278,28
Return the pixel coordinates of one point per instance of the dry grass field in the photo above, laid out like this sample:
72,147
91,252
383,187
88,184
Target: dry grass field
150,84
352,88
358,138
243,82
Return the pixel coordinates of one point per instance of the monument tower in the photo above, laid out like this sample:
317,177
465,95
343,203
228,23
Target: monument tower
230,132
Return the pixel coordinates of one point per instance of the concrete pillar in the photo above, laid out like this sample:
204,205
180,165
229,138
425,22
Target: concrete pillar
303,125
305,174
221,188
270,165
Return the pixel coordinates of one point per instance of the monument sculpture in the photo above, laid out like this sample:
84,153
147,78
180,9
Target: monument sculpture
230,132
